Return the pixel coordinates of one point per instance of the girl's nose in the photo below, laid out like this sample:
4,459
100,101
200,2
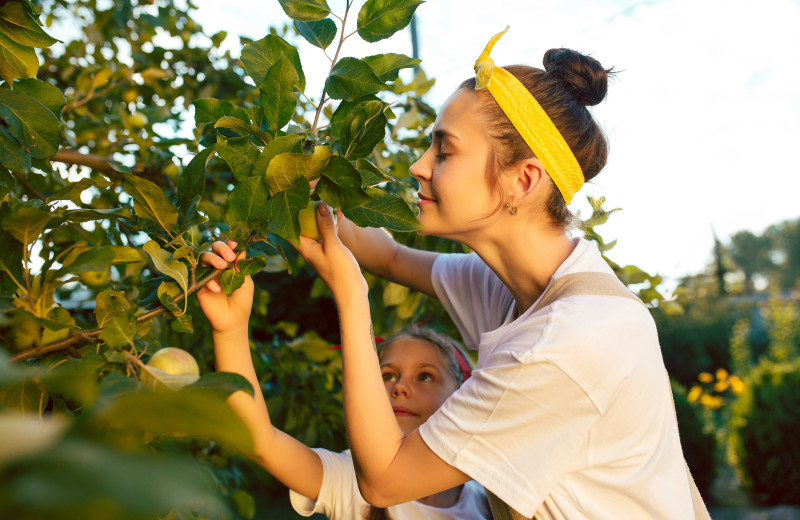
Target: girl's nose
400,388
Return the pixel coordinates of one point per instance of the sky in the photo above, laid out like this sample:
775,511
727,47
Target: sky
703,118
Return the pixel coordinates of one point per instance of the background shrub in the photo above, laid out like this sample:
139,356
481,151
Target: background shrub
699,445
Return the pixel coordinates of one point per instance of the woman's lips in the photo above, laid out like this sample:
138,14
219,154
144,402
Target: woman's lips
424,199
405,412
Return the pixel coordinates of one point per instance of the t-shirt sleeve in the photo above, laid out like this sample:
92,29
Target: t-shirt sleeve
338,490
472,294
515,428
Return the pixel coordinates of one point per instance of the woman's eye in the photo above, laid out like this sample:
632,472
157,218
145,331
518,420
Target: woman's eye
441,156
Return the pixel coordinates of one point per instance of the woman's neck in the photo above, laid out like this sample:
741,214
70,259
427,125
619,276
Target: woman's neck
443,499
525,258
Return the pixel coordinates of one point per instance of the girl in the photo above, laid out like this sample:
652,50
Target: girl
419,368
569,414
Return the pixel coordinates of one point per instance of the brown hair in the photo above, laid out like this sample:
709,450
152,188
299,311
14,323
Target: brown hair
568,84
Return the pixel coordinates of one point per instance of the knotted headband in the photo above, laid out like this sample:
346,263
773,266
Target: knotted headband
531,121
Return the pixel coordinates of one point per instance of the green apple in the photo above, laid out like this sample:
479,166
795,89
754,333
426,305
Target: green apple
137,120
175,361
308,220
94,278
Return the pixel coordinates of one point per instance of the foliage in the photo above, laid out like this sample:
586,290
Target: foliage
764,444
698,441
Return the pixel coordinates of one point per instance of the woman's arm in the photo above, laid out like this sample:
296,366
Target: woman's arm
392,468
288,460
378,253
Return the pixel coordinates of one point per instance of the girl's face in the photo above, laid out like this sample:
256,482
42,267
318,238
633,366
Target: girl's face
454,194
417,380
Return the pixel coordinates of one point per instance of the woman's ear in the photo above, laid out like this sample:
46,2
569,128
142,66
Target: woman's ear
525,180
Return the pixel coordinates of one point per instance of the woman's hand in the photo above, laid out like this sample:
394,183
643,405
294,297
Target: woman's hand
225,313
334,263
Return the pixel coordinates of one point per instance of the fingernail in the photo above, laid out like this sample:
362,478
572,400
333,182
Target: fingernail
324,209
233,243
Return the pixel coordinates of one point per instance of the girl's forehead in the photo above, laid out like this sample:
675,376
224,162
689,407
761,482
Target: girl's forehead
411,349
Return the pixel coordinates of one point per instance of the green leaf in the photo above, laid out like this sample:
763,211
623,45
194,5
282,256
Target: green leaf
385,210
183,324
379,19
85,260
192,182
11,254
240,156
119,331
284,207
31,123
320,34
209,110
16,61
284,169
387,66
12,155
352,78
240,126
45,93
167,292
150,202
231,280
7,182
340,185
253,265
259,56
277,94
362,128
72,191
23,28
82,477
288,143
110,304
26,223
247,202
166,265
305,10
58,318
371,175
221,384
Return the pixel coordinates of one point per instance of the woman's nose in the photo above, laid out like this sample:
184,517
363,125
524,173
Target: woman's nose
420,170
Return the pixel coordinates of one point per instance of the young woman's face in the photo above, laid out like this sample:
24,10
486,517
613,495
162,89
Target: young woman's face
454,194
417,380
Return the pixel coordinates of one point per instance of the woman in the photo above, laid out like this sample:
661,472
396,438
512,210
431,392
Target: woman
569,414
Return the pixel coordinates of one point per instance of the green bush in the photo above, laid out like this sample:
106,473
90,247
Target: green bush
764,440
699,445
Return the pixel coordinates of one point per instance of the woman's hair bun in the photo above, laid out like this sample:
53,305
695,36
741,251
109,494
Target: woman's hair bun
582,76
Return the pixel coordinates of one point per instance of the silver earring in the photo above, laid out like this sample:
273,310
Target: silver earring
512,210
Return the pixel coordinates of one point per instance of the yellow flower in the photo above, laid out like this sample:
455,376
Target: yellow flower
721,385
722,374
737,385
695,393
705,377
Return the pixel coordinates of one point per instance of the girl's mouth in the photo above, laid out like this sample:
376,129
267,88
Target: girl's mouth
399,411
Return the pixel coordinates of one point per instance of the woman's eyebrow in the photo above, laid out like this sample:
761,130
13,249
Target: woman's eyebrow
441,134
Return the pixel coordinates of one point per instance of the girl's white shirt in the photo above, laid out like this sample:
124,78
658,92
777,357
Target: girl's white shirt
339,498
569,414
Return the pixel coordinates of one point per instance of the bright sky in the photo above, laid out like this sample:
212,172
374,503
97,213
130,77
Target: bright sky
702,119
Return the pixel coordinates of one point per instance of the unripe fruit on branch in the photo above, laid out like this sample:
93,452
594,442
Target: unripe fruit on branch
175,361
308,220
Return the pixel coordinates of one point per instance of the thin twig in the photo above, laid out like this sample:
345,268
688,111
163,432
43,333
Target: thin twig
333,63
92,336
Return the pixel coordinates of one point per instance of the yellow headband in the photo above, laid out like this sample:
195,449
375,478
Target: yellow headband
531,121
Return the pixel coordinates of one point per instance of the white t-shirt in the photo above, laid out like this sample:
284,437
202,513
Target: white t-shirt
340,499
569,414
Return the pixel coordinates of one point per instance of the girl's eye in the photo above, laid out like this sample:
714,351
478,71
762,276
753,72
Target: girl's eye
387,376
425,377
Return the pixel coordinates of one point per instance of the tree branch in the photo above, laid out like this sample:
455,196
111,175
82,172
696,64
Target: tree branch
92,336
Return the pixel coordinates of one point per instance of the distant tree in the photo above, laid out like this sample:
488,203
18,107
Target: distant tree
751,253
